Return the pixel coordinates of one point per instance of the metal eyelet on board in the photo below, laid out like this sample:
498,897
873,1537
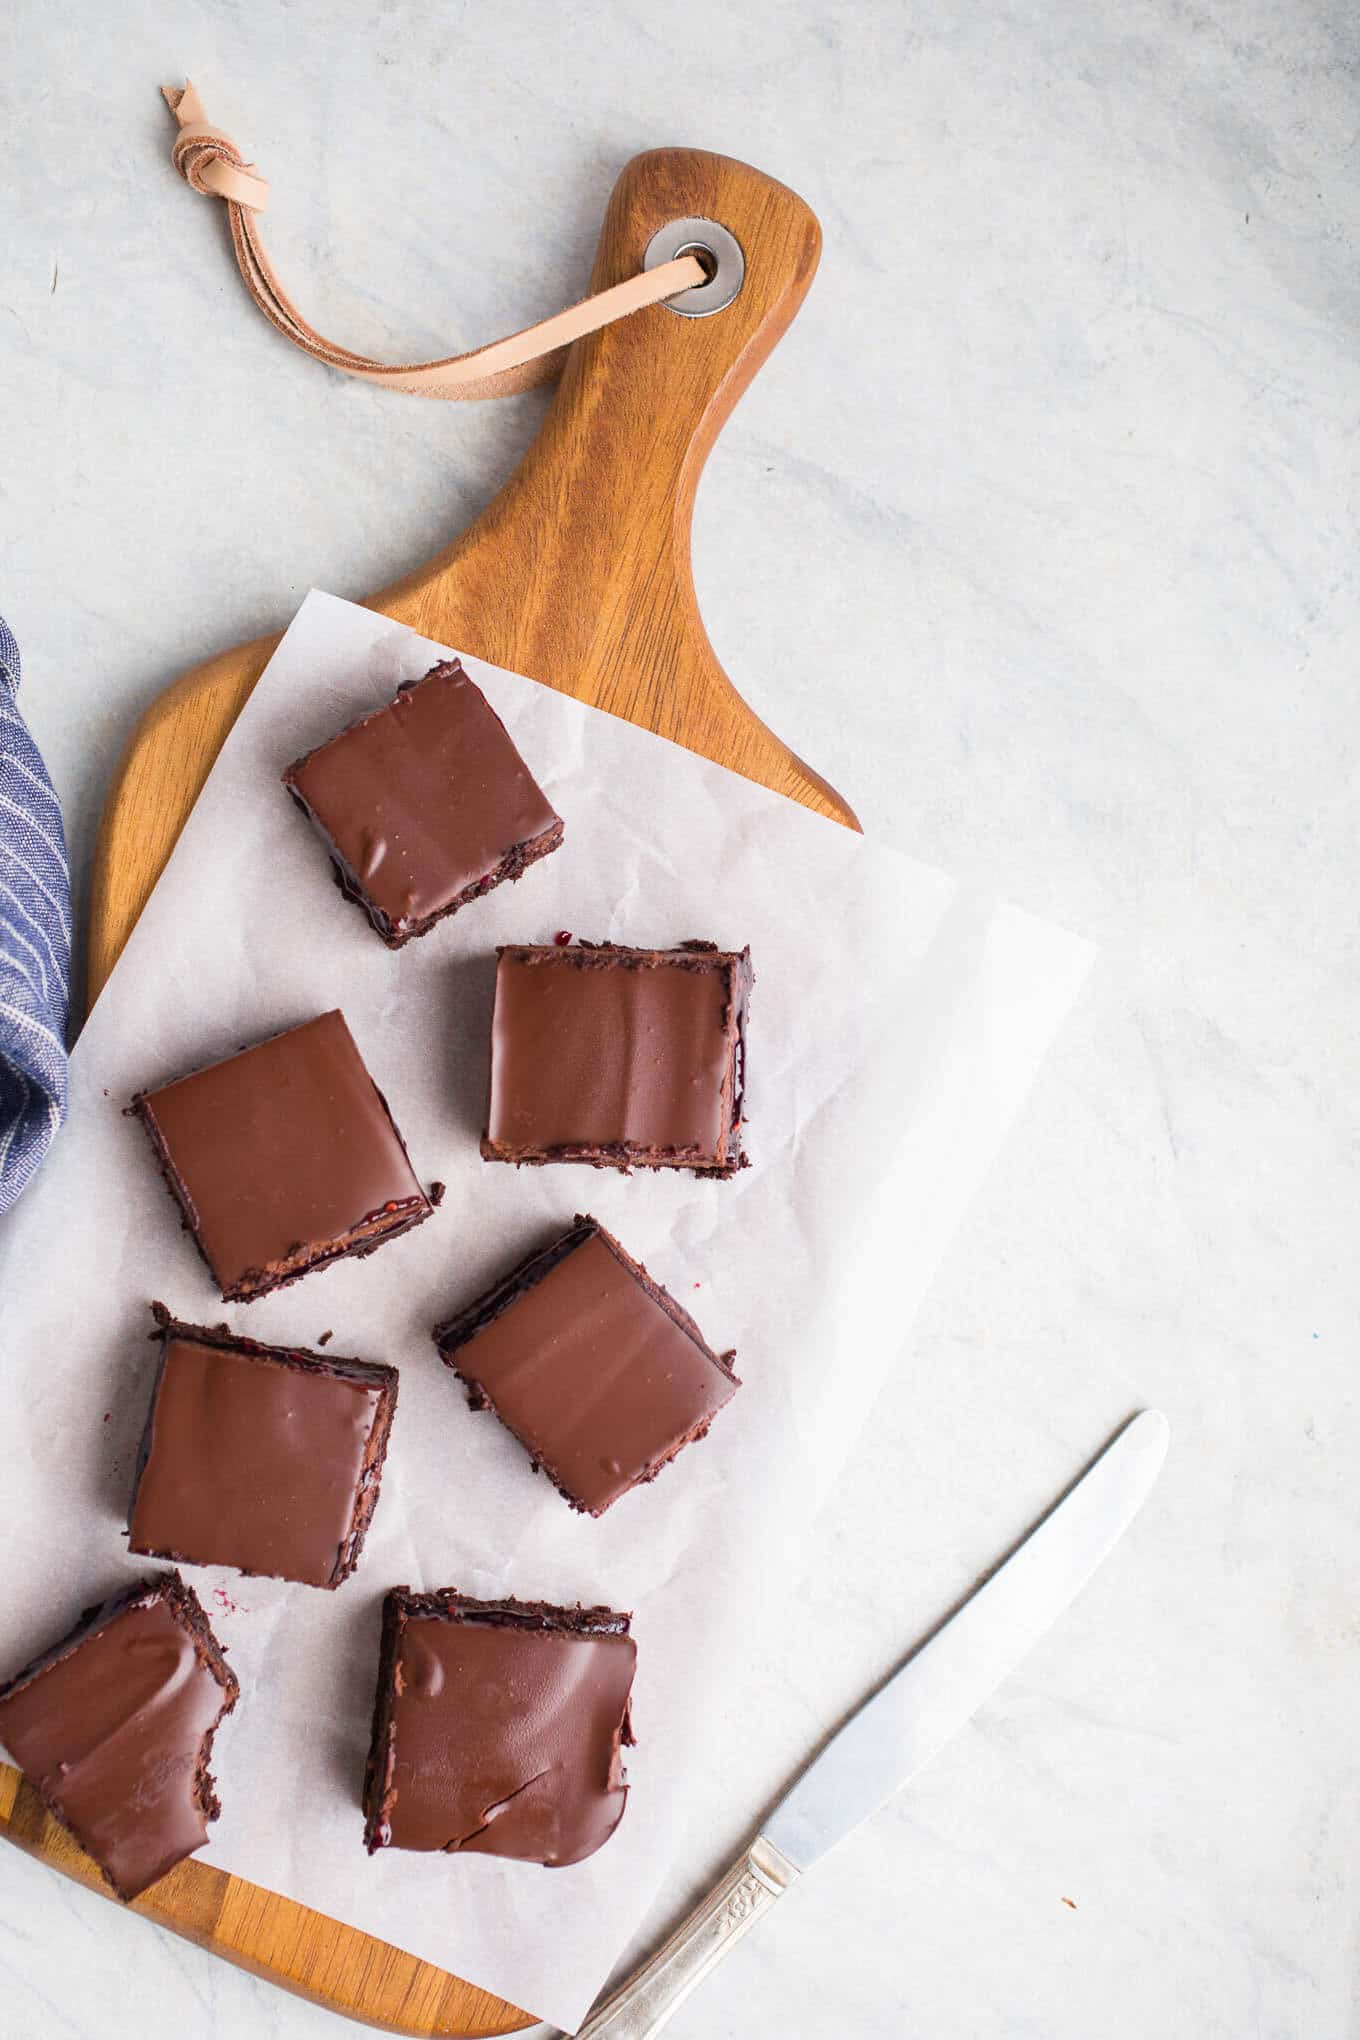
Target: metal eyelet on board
704,238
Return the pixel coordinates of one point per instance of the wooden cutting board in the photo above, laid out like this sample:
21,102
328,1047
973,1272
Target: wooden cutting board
578,574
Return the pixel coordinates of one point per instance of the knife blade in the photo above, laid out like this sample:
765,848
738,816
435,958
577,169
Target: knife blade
902,1725
897,1731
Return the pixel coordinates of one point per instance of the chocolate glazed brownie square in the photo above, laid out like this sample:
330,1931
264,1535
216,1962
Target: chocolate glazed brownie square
264,1458
424,805
598,1372
623,1058
498,1728
113,1727
283,1158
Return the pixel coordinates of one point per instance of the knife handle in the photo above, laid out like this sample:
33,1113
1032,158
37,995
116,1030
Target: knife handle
643,2005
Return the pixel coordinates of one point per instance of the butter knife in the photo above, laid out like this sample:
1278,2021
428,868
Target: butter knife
899,1728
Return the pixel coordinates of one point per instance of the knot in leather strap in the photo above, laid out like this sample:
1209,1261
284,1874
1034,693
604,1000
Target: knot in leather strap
209,160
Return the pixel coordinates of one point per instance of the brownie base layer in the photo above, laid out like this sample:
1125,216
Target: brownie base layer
189,1611
448,1605
620,1155
366,1373
371,1232
625,1156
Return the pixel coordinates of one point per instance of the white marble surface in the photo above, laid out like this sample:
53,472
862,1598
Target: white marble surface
1037,537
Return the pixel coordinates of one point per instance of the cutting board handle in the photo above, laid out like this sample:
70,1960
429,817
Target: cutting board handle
673,380
579,572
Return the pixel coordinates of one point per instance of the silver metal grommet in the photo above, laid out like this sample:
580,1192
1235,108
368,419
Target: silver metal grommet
714,245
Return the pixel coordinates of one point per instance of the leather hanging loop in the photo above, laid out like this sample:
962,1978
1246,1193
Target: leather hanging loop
210,161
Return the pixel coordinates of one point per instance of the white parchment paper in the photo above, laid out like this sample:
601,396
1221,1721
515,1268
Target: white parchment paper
896,1025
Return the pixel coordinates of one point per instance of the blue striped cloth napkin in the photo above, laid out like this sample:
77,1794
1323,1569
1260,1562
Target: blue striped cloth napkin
35,945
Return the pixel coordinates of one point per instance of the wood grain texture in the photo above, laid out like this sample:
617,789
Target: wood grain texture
578,573
303,1951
